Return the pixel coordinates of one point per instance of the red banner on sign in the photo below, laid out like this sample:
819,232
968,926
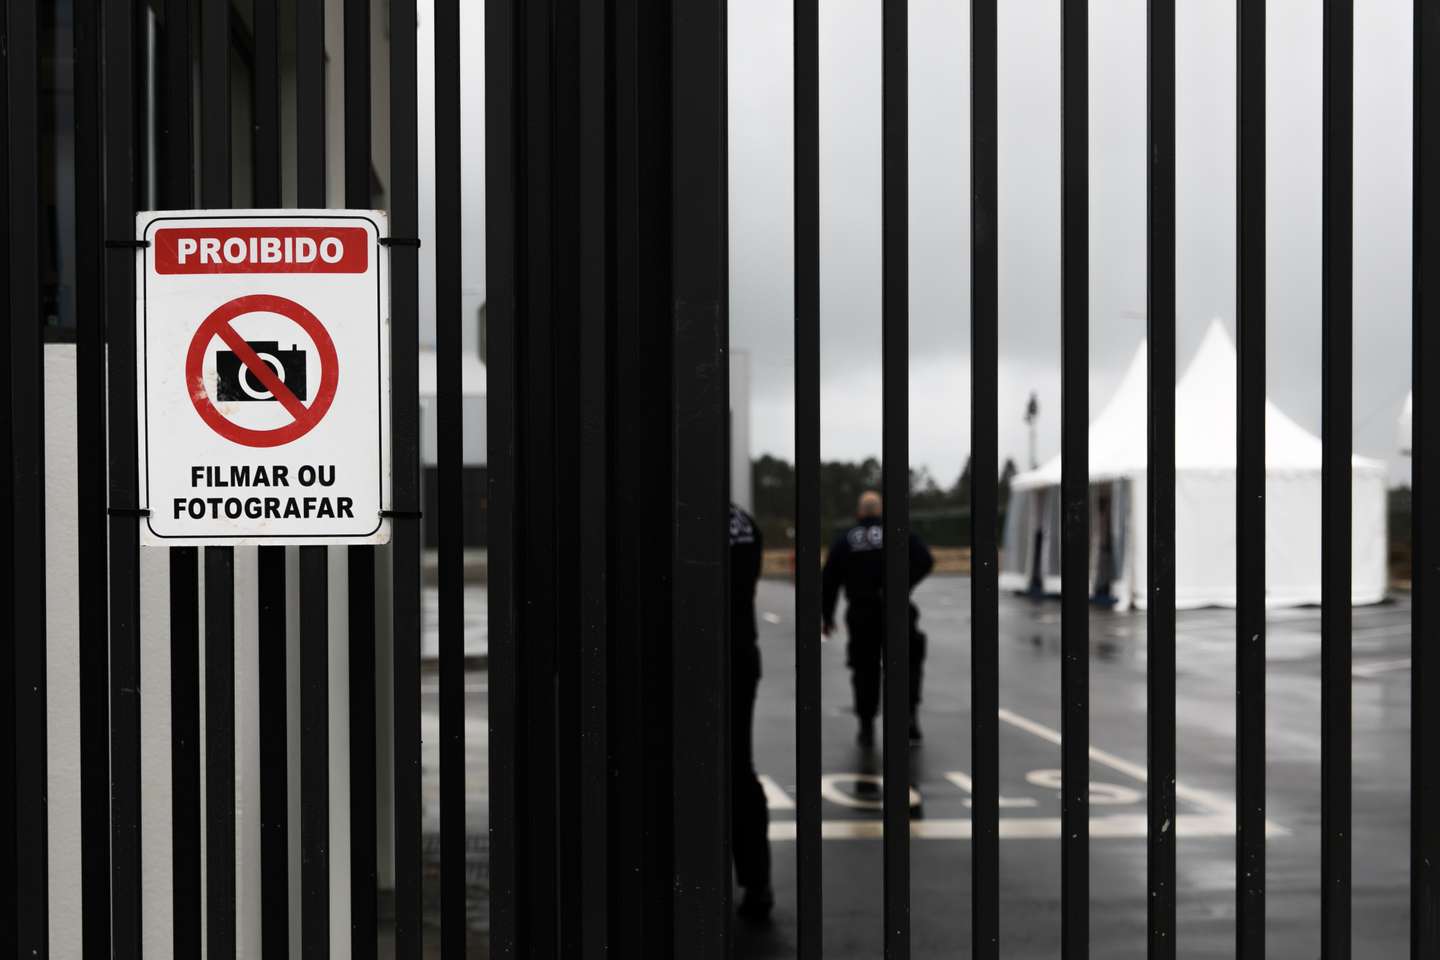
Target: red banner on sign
209,250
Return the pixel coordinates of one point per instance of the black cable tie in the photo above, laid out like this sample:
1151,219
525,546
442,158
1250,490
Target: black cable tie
127,512
402,514
126,244
400,242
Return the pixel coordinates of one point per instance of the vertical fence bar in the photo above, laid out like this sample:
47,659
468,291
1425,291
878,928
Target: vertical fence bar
1250,483
177,164
699,324
895,458
565,437
450,461
176,140
274,743
1075,483
270,561
8,905
540,478
361,559
405,435
594,375
220,751
502,189
122,193
266,91
27,490
310,102
314,570
92,484
1336,438
636,831
1425,532
219,561
364,893
808,876
186,888
984,493
314,752
1160,486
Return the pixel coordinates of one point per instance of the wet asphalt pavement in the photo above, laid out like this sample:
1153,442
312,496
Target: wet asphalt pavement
1030,757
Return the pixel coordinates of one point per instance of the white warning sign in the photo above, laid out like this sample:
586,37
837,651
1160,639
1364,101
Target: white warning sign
263,353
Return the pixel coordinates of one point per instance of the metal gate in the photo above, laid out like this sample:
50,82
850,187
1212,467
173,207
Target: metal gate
606,262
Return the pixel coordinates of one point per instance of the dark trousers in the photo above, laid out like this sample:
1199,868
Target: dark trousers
865,656
750,823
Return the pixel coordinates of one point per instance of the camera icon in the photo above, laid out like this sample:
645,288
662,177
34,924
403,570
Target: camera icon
235,381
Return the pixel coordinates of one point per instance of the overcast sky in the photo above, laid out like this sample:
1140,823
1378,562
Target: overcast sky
761,207
761,204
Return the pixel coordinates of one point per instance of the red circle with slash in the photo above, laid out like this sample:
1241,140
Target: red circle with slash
219,324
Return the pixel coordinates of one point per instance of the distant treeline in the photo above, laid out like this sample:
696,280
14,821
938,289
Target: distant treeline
940,515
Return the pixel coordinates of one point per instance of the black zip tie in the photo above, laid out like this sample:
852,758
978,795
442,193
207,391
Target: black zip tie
402,514
126,244
127,511
400,242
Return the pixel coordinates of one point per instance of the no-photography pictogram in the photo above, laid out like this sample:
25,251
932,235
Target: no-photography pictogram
273,373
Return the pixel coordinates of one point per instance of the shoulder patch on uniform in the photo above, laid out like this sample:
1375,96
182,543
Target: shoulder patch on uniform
866,537
742,530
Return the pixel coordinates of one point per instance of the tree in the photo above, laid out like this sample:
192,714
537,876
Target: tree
1007,475
961,491
939,514
772,484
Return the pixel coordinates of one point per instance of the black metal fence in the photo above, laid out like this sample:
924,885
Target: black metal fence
606,247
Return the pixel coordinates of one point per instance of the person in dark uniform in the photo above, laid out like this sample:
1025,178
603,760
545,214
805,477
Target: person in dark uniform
750,816
855,563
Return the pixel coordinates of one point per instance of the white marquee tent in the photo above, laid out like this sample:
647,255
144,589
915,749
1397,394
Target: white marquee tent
1403,425
1204,499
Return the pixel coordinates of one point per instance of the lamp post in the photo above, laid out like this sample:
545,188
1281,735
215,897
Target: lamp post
1032,413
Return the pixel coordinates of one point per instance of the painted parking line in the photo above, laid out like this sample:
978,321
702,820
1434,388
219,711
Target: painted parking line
1125,826
433,689
830,790
1217,804
963,781
1368,671
1217,820
1388,631
775,797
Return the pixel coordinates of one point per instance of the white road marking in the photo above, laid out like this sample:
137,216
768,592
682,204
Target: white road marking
771,617
1380,632
775,797
1101,794
433,689
1219,821
1368,671
830,791
1221,806
963,781
1125,826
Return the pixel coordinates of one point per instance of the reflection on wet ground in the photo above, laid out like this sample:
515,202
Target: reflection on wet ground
1029,798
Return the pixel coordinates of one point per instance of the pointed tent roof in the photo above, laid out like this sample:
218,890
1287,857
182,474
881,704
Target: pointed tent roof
1205,412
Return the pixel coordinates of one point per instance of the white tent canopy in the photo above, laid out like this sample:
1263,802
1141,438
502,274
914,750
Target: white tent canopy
1403,425
1205,416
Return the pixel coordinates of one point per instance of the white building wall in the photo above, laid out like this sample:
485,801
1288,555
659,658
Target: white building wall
62,650
740,429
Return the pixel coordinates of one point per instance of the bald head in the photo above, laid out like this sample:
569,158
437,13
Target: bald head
870,505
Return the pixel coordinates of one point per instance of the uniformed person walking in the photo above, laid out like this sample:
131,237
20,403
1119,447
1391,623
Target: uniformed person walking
855,564
750,816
